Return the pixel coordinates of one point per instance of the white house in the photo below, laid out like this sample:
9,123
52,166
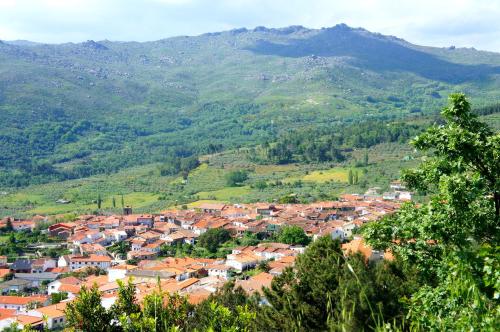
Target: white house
242,261
119,272
116,235
348,228
219,270
20,303
64,285
53,315
77,262
338,234
42,264
63,261
405,196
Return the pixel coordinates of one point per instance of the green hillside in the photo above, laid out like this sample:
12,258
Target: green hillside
71,111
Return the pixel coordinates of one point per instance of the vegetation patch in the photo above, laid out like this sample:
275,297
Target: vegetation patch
334,174
225,194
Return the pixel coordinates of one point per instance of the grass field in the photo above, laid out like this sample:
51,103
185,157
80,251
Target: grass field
225,194
334,174
135,199
196,204
146,191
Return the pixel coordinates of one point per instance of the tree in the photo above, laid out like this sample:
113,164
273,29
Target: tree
113,202
350,177
165,311
122,201
355,177
451,241
228,309
288,199
99,201
365,159
329,292
58,297
126,303
33,305
213,238
260,184
221,319
264,266
293,235
236,178
121,247
86,312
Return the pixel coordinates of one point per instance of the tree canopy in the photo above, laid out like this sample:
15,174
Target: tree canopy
452,240
213,238
293,235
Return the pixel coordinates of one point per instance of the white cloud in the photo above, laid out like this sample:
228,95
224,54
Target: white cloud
428,22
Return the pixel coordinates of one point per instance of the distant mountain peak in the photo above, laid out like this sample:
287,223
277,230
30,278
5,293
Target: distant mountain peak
94,45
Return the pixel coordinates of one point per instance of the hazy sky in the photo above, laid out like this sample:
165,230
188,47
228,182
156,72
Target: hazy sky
428,22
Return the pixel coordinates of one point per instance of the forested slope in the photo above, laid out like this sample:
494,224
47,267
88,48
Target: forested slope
74,110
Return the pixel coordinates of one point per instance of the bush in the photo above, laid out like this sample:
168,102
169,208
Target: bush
236,178
213,238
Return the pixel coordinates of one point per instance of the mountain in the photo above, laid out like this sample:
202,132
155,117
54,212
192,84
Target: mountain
76,109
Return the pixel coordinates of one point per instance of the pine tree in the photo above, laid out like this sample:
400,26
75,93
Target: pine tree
350,177
99,201
365,161
123,202
356,177
113,201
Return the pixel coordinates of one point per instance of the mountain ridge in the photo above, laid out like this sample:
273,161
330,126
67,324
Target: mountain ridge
286,30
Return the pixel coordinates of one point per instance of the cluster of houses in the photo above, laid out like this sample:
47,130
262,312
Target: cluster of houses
32,282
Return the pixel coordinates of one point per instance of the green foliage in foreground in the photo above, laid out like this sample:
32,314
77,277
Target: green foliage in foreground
452,241
325,291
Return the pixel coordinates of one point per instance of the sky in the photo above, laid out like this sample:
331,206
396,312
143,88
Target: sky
462,23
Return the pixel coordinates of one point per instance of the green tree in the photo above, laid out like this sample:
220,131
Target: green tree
355,177
121,247
327,291
365,159
126,303
350,177
99,201
451,241
292,235
122,201
213,238
58,297
288,199
238,311
260,185
113,202
236,178
86,313
165,311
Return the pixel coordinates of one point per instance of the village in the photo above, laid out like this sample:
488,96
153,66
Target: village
146,249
